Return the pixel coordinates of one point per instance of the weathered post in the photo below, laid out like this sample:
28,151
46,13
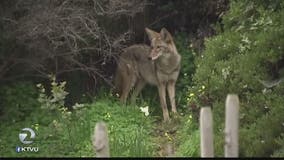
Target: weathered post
206,130
232,126
100,140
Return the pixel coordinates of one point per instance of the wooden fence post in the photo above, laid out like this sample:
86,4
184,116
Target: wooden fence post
100,140
232,126
206,130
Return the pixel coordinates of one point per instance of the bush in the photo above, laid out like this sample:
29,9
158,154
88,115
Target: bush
187,69
17,101
280,142
249,51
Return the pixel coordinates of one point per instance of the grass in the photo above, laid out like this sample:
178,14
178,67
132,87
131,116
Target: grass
62,134
188,137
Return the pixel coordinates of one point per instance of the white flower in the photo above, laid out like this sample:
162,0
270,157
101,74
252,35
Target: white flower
145,110
77,106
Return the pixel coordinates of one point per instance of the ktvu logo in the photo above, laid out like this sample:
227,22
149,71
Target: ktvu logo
25,139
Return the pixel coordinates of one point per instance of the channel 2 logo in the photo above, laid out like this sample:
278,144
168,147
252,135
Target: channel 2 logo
23,136
26,137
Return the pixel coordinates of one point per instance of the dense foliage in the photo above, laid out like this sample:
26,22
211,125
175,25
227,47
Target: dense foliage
246,60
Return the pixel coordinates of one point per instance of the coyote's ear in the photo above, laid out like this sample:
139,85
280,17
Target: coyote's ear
165,35
151,34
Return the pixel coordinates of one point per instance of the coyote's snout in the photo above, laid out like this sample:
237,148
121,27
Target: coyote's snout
158,64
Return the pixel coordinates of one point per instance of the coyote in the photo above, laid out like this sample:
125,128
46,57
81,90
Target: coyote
158,64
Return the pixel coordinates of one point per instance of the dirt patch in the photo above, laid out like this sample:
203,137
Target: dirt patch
165,138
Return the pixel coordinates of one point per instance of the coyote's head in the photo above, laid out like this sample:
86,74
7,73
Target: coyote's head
162,43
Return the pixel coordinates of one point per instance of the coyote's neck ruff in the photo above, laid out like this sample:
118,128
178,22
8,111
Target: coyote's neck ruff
168,64
157,65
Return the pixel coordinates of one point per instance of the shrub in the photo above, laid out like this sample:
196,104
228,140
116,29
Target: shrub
17,101
187,68
237,61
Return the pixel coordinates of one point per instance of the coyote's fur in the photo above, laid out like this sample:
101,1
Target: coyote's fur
158,64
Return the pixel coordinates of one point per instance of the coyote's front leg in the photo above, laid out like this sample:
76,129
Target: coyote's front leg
162,94
171,92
